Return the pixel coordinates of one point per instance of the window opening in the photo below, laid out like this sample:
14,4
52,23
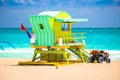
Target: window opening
65,27
41,26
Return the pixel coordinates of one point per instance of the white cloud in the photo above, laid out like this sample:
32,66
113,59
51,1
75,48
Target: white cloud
25,1
31,2
3,0
21,1
72,2
117,0
90,1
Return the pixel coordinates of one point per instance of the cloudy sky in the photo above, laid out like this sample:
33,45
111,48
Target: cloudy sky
101,13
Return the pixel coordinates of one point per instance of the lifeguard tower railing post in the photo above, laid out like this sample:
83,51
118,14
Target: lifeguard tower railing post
74,38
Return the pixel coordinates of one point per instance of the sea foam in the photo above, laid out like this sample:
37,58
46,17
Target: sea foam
28,53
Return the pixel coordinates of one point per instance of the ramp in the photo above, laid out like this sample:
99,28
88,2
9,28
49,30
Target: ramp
81,53
86,55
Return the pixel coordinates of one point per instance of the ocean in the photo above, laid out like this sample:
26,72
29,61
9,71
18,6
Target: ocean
107,39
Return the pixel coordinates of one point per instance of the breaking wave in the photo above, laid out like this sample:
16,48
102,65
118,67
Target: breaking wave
28,53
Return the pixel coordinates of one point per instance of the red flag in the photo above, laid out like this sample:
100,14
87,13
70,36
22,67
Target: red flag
22,27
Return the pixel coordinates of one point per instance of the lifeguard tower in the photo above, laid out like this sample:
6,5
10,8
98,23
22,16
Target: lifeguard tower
54,40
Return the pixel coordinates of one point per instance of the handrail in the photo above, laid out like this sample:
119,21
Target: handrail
75,37
69,35
85,51
78,33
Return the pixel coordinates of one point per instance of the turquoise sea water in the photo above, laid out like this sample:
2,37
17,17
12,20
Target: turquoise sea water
101,38
96,38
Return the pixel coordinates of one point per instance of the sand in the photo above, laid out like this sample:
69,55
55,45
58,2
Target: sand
9,70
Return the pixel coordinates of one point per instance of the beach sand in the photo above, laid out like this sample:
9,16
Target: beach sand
9,70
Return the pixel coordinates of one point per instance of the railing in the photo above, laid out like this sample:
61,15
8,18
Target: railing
70,38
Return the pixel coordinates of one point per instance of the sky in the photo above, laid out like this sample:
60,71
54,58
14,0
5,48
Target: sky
100,13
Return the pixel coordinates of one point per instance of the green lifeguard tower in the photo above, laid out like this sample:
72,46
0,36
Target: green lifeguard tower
54,40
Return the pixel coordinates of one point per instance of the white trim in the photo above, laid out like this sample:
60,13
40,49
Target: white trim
50,13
